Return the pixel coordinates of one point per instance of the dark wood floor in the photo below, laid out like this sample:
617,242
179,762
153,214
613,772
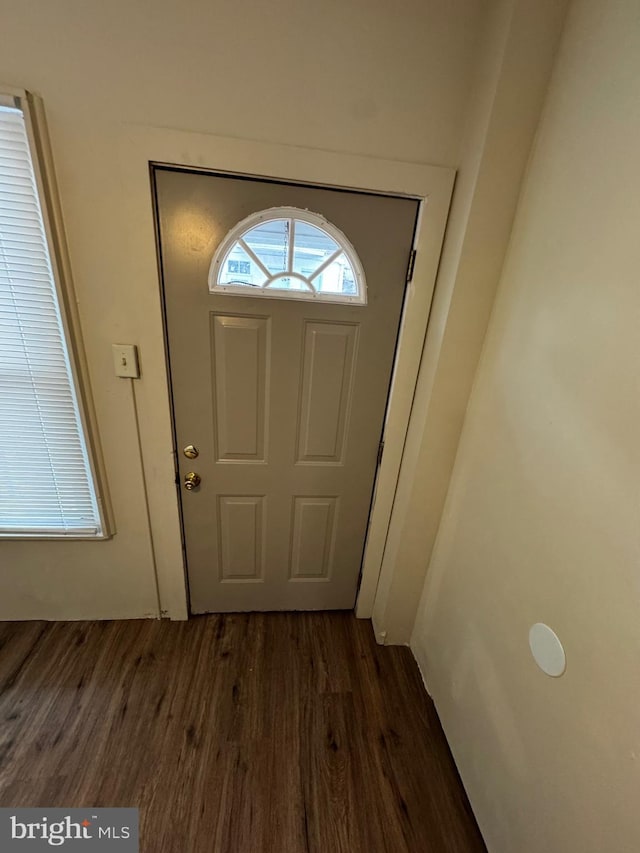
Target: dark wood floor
240,734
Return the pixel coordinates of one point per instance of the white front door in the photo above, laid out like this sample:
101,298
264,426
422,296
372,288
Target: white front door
281,392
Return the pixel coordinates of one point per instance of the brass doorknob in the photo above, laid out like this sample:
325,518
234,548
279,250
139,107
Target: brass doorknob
191,480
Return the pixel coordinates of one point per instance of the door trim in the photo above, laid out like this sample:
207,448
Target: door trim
431,185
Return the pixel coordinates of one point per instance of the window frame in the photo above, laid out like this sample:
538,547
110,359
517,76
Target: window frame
42,159
226,245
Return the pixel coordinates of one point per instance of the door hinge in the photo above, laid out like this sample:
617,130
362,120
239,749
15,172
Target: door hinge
412,263
380,451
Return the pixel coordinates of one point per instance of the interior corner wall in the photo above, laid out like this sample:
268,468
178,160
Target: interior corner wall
542,518
518,45
353,77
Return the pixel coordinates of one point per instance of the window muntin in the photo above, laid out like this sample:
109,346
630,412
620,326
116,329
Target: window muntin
286,252
46,482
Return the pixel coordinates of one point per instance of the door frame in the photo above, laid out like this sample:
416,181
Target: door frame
431,186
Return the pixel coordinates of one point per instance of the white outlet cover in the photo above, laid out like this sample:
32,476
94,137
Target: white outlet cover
547,650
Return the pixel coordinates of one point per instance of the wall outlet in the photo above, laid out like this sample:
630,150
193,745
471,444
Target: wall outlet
125,360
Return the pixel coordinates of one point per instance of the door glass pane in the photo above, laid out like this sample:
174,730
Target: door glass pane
338,277
270,243
239,268
312,247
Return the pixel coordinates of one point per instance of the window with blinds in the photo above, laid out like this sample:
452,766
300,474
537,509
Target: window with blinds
46,482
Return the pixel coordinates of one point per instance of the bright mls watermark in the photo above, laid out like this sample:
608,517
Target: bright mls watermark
104,830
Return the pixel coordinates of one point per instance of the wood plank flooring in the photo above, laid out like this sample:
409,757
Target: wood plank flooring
257,733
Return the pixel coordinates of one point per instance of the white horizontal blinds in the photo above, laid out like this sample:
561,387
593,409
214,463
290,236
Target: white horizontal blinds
46,484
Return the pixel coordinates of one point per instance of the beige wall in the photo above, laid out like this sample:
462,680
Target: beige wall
355,77
518,45
542,521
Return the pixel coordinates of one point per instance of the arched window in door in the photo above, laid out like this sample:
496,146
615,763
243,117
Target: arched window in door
288,253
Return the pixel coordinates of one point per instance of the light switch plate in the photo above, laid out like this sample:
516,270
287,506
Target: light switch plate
125,360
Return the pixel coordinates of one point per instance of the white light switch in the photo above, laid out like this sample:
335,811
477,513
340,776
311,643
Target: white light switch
125,360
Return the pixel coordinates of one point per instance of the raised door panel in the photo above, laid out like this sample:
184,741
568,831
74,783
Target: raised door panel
240,371
241,535
313,537
329,355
